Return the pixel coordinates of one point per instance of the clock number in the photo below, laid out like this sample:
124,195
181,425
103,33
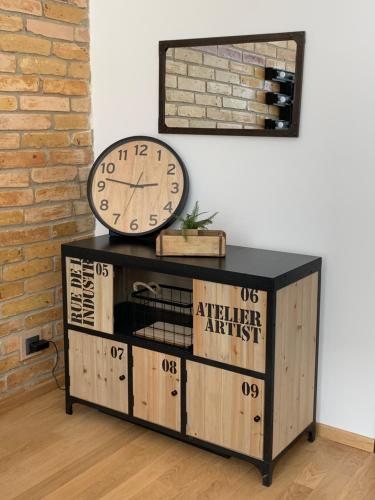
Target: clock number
168,207
140,149
104,205
109,168
134,225
116,216
248,389
101,186
153,220
249,294
123,154
175,187
159,155
171,169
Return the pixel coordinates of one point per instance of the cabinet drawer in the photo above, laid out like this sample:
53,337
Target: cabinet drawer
98,370
89,287
156,388
230,324
225,408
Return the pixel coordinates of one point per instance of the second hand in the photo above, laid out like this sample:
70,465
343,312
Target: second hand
131,197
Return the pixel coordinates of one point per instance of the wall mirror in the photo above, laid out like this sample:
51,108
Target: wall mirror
237,85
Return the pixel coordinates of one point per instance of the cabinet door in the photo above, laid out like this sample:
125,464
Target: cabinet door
156,388
230,324
89,289
225,408
98,370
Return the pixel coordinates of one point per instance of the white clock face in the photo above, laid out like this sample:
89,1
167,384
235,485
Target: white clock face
136,186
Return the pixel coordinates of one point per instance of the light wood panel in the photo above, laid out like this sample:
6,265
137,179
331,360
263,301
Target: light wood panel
98,370
228,328
346,437
137,186
296,328
156,388
201,243
219,411
47,454
90,294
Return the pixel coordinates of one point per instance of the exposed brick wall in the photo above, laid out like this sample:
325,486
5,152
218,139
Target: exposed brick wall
45,155
223,86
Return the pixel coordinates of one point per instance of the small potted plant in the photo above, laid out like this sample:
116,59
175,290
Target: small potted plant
193,238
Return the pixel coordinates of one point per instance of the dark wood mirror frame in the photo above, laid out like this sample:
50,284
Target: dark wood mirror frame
292,131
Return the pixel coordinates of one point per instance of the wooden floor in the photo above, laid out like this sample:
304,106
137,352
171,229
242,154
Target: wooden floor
45,453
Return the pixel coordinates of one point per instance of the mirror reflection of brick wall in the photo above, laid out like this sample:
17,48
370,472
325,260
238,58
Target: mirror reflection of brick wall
224,86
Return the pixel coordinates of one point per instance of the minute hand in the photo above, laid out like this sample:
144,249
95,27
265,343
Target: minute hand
146,185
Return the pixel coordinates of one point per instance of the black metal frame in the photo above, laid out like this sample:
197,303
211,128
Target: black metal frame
266,465
170,220
292,131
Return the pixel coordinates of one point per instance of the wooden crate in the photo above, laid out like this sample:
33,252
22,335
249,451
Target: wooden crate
225,408
230,324
98,370
197,243
89,287
156,388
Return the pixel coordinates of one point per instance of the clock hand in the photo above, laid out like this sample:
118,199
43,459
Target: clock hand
120,182
146,185
135,185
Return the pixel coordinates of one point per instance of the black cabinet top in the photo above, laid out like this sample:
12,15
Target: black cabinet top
264,269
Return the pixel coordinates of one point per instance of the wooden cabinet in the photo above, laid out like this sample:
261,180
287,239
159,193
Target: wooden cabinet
247,385
230,324
157,388
98,370
225,408
89,287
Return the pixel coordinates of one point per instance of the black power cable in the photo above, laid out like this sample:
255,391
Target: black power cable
55,366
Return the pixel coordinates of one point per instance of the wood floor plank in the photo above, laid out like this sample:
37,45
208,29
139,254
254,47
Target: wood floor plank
46,454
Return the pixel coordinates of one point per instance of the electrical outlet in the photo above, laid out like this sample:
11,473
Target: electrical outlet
29,340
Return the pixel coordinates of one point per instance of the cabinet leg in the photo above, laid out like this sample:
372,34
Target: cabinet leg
267,475
311,434
69,407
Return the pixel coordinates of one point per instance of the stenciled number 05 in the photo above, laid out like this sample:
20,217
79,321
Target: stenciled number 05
137,186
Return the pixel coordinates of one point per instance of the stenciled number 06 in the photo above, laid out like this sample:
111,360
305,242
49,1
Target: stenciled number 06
137,186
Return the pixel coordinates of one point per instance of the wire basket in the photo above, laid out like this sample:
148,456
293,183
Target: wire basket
163,313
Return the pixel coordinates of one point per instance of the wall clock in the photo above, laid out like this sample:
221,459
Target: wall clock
137,186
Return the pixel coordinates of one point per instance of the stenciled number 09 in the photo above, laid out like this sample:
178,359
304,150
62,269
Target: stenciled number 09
137,186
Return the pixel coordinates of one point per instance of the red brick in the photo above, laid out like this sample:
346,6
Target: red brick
80,104
66,13
14,179
50,29
70,157
57,193
10,326
9,141
8,103
17,306
10,290
29,372
8,63
42,66
70,51
43,282
19,83
11,217
22,270
10,345
10,255
33,7
46,249
73,227
48,213
23,236
65,87
25,43
43,103
9,363
45,140
54,174
14,198
79,70
40,318
22,159
10,23
72,121
82,34
82,138
18,121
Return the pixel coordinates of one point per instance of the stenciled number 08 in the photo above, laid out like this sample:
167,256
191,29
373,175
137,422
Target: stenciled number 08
137,186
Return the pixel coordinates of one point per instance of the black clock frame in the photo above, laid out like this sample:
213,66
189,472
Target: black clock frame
170,220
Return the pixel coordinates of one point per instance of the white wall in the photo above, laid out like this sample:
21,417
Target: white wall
313,195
